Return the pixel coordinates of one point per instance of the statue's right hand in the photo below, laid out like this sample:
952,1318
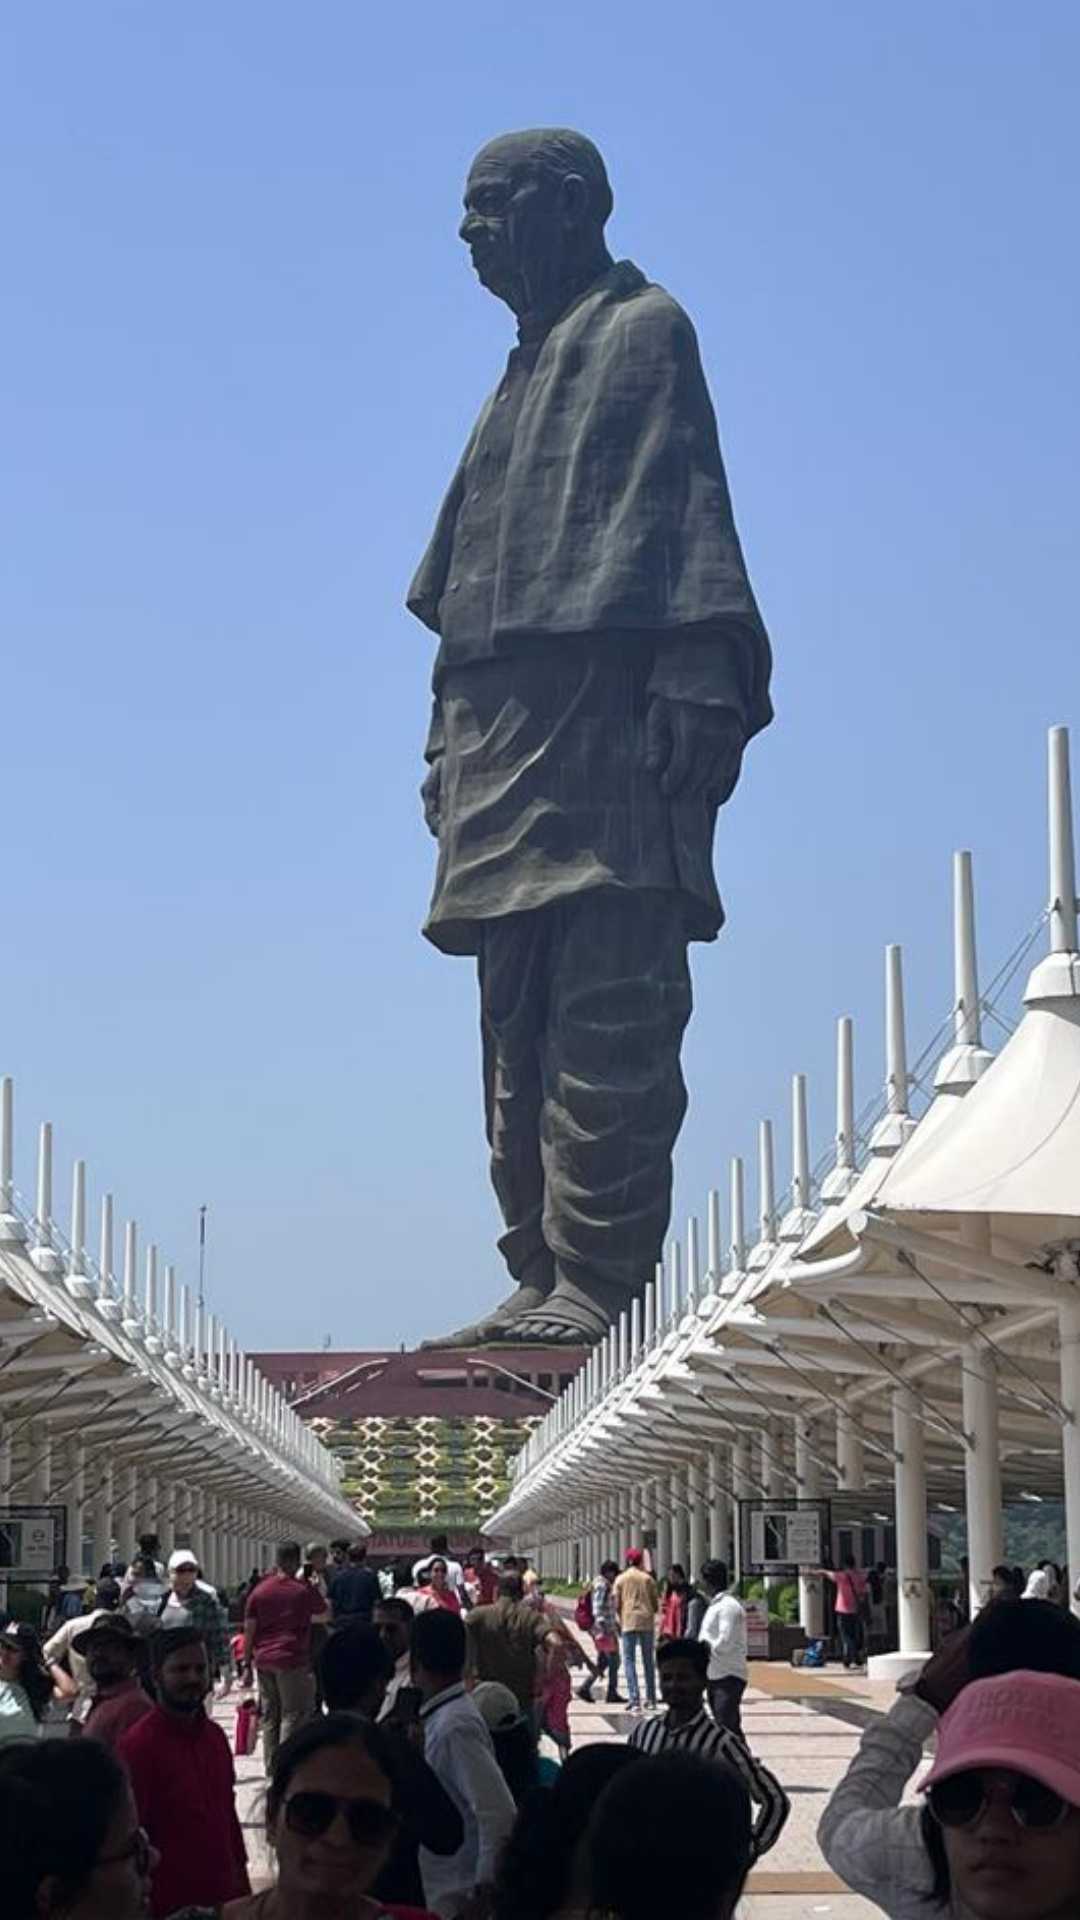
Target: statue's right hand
431,795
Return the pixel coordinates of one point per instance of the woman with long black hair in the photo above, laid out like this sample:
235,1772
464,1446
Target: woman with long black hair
26,1686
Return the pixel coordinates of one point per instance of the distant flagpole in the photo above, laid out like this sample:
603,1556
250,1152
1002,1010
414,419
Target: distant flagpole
202,1256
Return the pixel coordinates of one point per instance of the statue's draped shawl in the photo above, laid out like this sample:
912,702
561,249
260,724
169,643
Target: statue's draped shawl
616,514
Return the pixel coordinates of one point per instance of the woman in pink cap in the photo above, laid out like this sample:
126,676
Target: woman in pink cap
1003,1799
996,1835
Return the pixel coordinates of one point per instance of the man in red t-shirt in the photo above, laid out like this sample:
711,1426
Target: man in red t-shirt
481,1579
181,1774
277,1640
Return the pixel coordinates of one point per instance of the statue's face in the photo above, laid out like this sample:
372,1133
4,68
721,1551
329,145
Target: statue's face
512,225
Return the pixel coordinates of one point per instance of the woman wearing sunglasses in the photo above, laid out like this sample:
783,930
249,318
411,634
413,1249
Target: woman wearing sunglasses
331,1824
875,1839
1003,1799
71,1847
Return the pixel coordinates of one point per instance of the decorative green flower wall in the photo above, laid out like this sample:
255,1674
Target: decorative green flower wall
419,1470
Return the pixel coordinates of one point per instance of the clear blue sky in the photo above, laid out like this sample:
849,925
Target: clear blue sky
241,350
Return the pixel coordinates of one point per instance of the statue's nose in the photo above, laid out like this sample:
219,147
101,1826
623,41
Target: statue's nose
470,225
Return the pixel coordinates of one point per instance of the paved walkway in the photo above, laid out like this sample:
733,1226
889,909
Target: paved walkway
804,1726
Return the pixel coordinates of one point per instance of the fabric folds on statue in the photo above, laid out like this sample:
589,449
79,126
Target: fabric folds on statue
616,515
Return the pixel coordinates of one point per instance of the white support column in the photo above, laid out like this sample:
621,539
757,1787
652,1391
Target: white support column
626,1522
679,1541
772,1458
637,1515
743,1489
982,1470
127,1494
1069,1361
73,1504
146,1516
37,1486
101,1522
808,1487
912,1579
850,1464
772,1473
213,1542
719,1504
239,1570
184,1502
662,1506
166,1514
698,1520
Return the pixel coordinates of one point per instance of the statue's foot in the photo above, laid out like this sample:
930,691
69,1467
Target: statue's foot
545,1328
580,1310
500,1324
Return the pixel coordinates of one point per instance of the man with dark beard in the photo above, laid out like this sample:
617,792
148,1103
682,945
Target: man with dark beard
181,1774
601,666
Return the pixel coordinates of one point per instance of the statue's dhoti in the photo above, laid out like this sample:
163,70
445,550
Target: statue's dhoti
582,1007
577,885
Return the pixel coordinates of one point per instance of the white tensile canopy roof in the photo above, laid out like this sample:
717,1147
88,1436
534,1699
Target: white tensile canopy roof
1008,1157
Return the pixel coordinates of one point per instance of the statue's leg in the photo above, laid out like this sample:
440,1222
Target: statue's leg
614,1100
513,1000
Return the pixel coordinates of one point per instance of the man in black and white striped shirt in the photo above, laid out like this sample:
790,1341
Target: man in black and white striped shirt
687,1727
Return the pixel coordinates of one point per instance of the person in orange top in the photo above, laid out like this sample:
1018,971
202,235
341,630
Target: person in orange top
674,1605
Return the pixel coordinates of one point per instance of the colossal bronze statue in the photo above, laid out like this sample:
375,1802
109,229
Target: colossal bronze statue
601,666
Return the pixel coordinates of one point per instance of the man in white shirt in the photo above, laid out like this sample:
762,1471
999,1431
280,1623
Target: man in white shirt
455,1573
723,1629
458,1747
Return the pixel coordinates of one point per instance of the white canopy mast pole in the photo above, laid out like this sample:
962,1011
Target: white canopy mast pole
1058,977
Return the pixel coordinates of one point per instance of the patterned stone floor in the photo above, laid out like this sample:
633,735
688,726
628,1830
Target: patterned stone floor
805,1727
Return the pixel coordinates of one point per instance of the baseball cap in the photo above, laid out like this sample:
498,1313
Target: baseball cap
1026,1722
183,1557
499,1706
634,1556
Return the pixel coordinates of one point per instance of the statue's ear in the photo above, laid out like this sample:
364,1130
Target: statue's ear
575,200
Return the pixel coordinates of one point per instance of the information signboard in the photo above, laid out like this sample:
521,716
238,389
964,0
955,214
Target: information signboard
780,1536
32,1542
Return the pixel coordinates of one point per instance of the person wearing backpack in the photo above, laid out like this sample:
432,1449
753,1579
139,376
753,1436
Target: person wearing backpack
595,1614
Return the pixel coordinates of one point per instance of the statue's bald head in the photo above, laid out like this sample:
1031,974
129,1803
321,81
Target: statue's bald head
535,207
557,153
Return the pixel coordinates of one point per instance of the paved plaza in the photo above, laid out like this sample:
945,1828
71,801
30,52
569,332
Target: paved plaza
804,1726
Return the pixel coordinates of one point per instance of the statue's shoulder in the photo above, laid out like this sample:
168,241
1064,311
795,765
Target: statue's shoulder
646,310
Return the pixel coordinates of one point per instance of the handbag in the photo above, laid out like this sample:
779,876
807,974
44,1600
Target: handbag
246,1729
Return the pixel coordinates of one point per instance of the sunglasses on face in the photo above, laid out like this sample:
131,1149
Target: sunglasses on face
962,1801
137,1849
311,1814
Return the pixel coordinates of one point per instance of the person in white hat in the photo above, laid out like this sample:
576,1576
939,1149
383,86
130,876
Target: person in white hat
190,1602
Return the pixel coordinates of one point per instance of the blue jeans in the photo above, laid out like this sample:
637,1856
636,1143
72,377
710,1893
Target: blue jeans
647,1642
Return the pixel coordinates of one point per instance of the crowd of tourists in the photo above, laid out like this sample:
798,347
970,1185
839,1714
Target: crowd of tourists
401,1719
